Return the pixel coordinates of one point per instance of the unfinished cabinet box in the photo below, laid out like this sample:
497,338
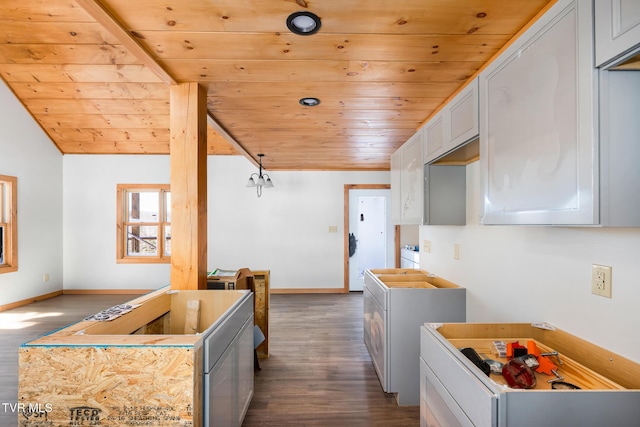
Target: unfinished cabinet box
454,392
261,312
396,303
156,365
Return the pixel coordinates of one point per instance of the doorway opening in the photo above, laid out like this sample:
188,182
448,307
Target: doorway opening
368,223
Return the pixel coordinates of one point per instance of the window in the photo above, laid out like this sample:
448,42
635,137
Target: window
143,223
8,224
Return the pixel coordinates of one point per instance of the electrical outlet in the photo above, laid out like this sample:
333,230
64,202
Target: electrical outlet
456,251
426,246
601,280
45,277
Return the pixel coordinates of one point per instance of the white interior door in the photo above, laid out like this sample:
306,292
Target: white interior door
370,222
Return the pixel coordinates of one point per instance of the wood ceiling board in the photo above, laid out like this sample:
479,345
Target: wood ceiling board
248,123
300,117
95,91
28,11
287,46
346,16
53,32
325,71
99,106
115,147
328,135
356,89
331,163
330,102
133,121
138,141
73,54
101,135
62,73
301,148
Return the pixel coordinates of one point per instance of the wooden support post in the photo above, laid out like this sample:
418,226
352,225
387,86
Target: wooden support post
188,147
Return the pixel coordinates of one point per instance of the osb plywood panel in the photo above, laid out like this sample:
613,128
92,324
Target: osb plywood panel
261,311
114,386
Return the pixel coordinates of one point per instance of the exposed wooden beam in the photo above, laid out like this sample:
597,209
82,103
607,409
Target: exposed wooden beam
216,126
111,24
106,19
188,163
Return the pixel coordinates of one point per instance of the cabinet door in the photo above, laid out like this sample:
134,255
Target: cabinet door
538,146
619,148
463,116
434,138
245,368
396,184
221,392
437,408
464,388
617,28
412,177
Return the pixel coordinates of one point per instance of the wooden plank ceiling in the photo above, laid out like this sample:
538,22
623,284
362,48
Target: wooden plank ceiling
96,75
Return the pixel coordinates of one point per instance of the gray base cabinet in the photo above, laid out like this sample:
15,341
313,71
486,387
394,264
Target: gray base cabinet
396,303
454,392
228,369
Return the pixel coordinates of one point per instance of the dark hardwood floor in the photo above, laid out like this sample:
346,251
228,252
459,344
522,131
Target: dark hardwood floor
319,372
28,322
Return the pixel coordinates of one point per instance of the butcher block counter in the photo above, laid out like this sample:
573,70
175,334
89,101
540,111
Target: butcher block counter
154,361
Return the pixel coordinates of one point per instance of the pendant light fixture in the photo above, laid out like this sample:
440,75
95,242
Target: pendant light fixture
262,180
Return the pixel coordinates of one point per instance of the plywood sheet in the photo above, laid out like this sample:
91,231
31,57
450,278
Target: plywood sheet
115,386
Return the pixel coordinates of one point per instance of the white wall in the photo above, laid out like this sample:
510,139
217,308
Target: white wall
90,221
28,154
284,231
525,274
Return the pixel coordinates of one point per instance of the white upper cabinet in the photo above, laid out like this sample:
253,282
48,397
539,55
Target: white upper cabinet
396,182
454,125
406,182
434,138
538,124
463,115
617,28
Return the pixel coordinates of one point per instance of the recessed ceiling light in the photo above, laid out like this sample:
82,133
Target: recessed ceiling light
309,102
303,23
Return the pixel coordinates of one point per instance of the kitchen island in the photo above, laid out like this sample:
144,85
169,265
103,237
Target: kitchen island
168,358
